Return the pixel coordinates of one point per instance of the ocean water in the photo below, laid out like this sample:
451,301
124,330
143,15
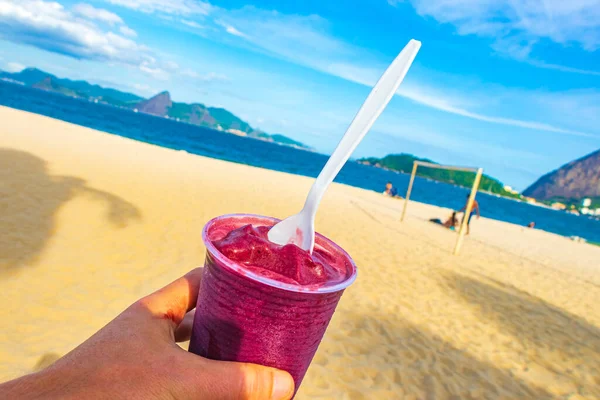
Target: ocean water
207,142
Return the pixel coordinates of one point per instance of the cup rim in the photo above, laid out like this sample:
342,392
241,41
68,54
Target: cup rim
236,267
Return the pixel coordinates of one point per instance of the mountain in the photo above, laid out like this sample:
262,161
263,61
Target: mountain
216,118
43,80
194,113
229,121
157,105
161,104
575,180
404,163
51,85
28,76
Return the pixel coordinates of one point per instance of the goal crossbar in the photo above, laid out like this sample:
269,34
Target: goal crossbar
478,173
450,167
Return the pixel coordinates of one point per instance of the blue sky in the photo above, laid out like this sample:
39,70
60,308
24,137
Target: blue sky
511,86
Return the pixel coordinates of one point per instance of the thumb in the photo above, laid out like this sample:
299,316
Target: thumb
260,382
241,381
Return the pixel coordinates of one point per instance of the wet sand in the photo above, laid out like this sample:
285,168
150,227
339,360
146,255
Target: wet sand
89,222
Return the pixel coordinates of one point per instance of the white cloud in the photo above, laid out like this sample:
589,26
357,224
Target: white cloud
127,31
563,68
143,88
303,40
516,26
209,77
465,146
580,106
49,26
574,21
190,73
231,30
154,71
442,104
367,76
192,24
74,33
306,40
98,14
178,7
13,67
212,77
161,70
171,65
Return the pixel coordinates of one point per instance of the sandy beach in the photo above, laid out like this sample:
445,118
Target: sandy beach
90,222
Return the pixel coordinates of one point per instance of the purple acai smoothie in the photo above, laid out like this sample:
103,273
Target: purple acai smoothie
264,303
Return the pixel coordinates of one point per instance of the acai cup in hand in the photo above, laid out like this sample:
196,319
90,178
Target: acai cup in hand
263,303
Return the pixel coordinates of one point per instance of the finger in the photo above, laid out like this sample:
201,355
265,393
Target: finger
184,331
237,381
173,301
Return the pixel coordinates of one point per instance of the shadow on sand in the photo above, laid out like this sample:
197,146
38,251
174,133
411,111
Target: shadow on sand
559,345
29,199
428,367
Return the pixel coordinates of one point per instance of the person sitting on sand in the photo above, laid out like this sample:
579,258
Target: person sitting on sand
474,210
531,225
135,357
450,222
390,190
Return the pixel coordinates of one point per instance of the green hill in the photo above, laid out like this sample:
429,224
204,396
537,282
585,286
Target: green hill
160,104
227,120
51,85
404,163
42,80
194,113
211,117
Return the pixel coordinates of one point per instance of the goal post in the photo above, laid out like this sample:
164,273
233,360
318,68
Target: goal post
463,226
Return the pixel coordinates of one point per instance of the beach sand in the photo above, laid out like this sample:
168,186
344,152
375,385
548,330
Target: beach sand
90,222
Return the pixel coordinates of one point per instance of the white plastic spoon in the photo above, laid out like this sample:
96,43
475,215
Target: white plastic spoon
299,229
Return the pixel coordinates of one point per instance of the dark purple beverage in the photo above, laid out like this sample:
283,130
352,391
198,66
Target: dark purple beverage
264,303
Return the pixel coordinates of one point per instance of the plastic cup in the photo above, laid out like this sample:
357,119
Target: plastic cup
242,316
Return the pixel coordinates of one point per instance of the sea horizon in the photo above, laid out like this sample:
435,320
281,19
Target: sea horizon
126,123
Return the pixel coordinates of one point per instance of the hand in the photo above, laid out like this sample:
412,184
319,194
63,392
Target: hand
136,356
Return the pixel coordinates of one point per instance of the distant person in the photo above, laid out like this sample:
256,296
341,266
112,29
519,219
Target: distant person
450,222
474,210
531,225
390,190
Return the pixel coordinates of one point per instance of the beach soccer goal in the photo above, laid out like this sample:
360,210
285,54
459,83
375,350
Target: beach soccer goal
463,226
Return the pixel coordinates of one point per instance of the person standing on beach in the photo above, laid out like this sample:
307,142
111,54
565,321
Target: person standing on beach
474,210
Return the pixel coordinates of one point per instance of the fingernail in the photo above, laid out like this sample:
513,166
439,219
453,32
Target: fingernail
283,386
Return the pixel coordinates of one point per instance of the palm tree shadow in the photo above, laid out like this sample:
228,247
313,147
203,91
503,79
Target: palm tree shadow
428,367
29,199
560,344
